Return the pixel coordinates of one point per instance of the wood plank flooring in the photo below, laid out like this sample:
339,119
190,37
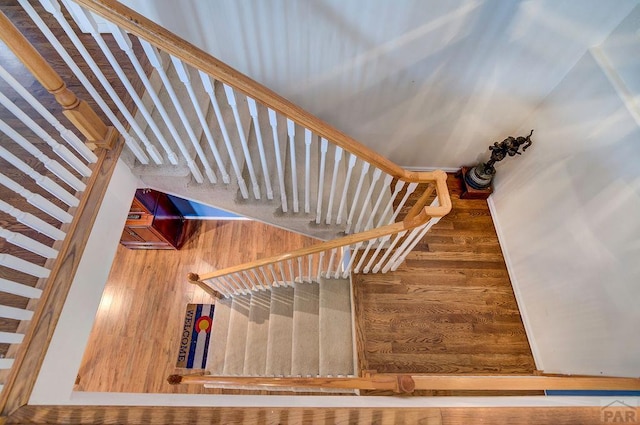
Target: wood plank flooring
449,308
135,338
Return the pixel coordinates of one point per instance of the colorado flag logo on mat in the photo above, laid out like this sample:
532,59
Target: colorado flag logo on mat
196,334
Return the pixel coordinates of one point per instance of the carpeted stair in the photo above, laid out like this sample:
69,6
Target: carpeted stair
300,330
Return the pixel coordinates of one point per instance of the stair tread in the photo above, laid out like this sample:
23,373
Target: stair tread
280,332
255,357
219,332
305,357
237,337
335,338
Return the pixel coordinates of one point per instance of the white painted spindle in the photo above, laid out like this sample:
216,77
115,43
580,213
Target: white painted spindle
124,42
185,78
11,338
23,266
156,61
363,209
62,151
383,191
19,289
354,203
320,264
68,135
273,122
345,188
324,146
253,110
231,100
14,313
32,221
396,239
87,18
331,261
334,181
53,7
291,133
52,165
44,182
18,239
36,200
307,170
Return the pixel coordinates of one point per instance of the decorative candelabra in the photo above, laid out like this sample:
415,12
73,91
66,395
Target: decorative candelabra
480,176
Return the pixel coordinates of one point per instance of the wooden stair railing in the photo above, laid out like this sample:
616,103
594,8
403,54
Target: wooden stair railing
341,253
408,383
31,352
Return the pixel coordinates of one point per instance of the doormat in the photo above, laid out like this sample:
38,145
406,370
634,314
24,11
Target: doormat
196,336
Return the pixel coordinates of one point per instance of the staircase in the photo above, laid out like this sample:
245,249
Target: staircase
301,329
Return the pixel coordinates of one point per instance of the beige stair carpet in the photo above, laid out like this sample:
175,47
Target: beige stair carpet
305,356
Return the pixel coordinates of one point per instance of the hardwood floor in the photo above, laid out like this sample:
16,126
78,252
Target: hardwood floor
135,338
449,308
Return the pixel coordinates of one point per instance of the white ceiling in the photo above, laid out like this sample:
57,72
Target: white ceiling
423,82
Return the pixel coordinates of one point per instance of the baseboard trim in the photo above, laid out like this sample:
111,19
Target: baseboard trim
514,283
445,169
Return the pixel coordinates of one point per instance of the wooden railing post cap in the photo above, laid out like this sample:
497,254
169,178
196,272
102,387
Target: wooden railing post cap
193,277
174,379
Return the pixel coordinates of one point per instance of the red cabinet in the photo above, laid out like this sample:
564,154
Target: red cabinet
153,222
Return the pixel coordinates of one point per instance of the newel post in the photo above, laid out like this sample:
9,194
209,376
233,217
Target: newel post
195,279
83,117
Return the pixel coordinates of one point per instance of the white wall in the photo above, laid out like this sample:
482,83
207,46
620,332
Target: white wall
61,364
423,82
568,212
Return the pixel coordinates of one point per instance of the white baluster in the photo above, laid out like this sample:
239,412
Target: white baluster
354,254
11,338
291,274
253,110
208,87
300,274
156,62
334,180
124,42
44,182
291,132
310,265
23,266
396,190
68,135
217,284
331,261
400,258
381,242
320,261
231,100
273,121
90,23
283,278
231,287
15,313
27,243
364,255
185,78
345,189
237,277
363,209
276,281
339,264
389,251
383,191
307,170
260,285
36,200
50,164
32,221
324,145
19,289
6,363
410,189
59,149
413,234
267,281
354,203
53,7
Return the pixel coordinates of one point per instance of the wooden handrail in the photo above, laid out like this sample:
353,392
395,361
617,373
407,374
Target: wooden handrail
78,111
407,383
379,232
148,30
